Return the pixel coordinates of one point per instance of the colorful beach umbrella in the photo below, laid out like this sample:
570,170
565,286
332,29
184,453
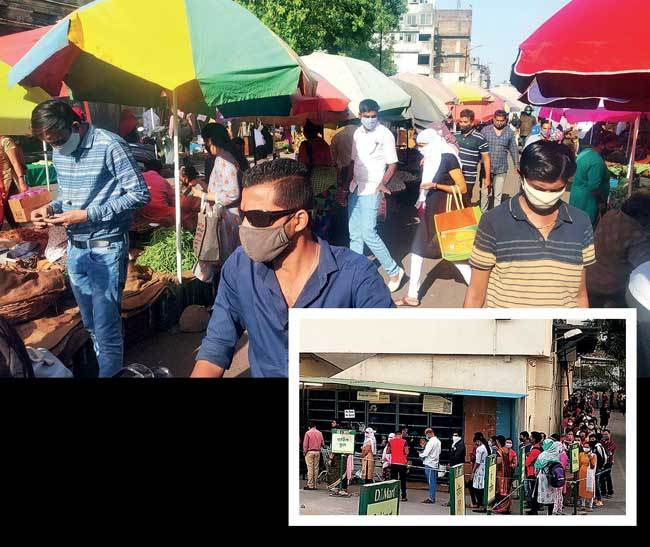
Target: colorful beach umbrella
213,53
359,80
423,110
17,103
197,54
438,92
469,94
566,66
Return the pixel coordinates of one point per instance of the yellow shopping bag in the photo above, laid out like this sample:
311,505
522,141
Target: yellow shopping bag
456,229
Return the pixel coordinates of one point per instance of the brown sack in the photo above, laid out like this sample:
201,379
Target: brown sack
26,294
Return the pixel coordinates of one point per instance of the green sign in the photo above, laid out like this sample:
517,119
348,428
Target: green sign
574,460
457,490
342,441
380,498
490,479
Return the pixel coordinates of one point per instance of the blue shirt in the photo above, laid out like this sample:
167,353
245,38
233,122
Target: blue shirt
101,177
249,298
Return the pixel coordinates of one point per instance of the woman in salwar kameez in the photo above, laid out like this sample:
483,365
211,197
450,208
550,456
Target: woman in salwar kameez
368,451
587,478
505,470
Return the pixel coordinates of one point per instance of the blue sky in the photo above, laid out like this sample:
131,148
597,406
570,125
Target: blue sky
499,26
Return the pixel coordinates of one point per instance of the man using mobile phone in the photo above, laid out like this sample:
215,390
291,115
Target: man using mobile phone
100,186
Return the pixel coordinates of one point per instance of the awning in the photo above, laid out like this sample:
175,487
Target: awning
406,387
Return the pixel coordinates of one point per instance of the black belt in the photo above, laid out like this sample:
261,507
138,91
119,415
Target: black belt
95,243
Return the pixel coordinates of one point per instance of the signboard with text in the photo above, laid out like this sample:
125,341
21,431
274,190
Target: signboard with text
373,397
490,479
436,404
380,498
574,460
349,413
457,489
343,441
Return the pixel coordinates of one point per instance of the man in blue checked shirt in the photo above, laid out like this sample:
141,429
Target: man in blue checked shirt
99,188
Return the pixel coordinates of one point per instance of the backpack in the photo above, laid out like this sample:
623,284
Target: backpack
556,475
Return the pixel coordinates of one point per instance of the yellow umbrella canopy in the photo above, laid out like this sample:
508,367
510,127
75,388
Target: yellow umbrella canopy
466,93
16,105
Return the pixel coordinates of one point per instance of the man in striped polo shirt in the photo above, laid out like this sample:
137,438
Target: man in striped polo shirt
532,250
472,148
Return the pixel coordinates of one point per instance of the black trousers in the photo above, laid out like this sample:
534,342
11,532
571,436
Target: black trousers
606,485
474,494
399,471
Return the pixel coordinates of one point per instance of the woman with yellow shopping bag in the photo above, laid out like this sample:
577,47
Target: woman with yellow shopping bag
441,177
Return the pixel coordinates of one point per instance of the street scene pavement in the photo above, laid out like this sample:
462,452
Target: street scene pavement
321,503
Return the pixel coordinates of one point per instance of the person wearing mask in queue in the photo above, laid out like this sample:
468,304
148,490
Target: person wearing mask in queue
478,472
431,459
590,187
606,483
280,265
399,451
312,443
532,251
373,164
99,188
386,459
368,451
441,175
531,475
506,465
587,478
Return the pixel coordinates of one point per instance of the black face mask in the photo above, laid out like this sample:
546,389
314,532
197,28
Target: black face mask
465,130
500,125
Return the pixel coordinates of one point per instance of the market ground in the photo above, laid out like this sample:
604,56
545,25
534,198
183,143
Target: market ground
442,287
321,503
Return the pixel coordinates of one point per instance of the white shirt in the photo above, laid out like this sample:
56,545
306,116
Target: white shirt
259,138
431,453
372,151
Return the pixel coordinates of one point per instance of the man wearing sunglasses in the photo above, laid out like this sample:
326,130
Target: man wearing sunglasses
280,265
100,186
374,162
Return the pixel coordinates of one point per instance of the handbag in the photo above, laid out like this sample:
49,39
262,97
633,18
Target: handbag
456,229
207,243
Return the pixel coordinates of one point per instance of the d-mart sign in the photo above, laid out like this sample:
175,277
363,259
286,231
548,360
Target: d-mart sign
380,498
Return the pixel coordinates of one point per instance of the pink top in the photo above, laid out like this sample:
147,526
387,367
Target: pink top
313,440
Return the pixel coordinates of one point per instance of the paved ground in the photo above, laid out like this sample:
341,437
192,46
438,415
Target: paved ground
321,503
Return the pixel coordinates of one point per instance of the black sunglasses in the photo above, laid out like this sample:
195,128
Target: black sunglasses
264,219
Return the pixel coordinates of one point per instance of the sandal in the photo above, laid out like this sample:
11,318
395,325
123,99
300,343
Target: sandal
406,301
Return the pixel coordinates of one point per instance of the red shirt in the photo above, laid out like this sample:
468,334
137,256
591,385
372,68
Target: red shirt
313,440
397,451
161,205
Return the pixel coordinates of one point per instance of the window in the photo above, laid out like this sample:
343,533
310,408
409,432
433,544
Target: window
412,20
426,19
409,37
424,37
423,59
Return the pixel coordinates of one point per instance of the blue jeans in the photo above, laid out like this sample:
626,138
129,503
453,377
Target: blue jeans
432,479
97,277
362,223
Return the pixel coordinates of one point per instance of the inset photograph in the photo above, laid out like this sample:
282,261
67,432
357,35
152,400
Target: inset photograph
400,415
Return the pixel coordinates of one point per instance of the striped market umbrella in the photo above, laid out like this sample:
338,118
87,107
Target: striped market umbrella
199,55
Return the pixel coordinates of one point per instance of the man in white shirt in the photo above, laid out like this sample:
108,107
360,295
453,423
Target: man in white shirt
374,162
431,458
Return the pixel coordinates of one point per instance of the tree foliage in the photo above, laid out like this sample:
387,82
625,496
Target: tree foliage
346,27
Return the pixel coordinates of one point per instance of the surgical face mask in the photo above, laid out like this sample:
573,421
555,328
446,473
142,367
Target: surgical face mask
455,438
587,450
264,244
546,133
370,123
70,145
541,200
508,445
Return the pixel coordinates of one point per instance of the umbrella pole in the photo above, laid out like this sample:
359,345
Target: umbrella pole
177,190
630,167
47,170
155,146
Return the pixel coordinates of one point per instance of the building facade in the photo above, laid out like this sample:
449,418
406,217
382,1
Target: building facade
479,74
452,45
495,376
413,42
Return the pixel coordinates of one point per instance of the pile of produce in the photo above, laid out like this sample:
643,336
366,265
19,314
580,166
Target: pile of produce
160,252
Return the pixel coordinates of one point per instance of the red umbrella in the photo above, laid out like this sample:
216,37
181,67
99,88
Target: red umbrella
14,46
327,99
588,51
